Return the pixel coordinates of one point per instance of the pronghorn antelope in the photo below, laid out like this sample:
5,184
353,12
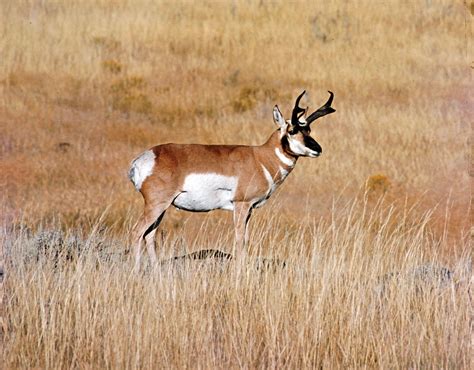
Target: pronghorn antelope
238,178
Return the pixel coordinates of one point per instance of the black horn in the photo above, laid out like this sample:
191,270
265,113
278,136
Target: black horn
297,111
325,109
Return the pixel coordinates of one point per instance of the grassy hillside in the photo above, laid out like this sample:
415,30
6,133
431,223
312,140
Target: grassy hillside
86,86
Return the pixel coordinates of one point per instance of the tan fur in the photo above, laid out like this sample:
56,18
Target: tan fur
234,177
173,162
228,160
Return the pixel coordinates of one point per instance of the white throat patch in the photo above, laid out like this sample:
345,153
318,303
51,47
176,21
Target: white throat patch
283,158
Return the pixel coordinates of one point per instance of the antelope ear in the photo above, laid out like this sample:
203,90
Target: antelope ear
278,117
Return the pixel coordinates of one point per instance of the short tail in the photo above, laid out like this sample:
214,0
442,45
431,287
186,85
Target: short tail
141,168
133,176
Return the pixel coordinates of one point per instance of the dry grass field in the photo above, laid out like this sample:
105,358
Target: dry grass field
375,234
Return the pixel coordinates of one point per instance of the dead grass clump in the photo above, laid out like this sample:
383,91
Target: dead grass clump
106,44
128,95
378,183
33,83
249,96
53,244
112,66
133,102
63,147
246,100
329,29
420,278
55,247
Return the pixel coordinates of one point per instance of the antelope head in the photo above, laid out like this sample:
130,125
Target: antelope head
295,133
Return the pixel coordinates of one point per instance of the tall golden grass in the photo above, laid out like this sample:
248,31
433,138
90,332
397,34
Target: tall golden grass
85,86
332,305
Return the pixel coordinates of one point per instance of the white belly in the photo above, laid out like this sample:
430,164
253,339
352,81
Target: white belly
207,191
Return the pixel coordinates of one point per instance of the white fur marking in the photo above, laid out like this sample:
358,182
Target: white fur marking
298,148
271,183
302,121
207,191
288,161
271,188
283,173
141,168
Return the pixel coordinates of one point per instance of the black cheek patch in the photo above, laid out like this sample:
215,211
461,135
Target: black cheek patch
285,144
286,147
310,143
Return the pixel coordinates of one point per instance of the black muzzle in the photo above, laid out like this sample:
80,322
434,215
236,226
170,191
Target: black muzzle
310,143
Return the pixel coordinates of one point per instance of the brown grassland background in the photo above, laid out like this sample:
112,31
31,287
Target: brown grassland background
85,86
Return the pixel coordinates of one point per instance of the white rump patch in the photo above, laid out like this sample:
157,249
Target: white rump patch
207,191
141,168
283,158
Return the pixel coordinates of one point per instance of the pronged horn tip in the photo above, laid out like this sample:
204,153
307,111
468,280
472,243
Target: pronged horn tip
323,110
329,102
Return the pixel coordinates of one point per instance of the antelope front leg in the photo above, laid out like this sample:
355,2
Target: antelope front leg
242,213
